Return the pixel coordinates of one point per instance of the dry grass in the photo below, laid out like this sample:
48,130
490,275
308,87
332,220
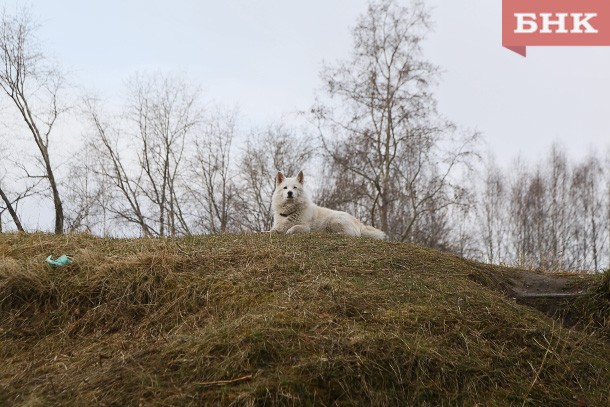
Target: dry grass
259,319
593,309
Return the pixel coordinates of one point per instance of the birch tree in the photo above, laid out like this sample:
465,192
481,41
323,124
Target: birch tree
212,185
143,158
33,87
380,127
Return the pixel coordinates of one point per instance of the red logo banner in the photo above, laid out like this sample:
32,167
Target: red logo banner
554,22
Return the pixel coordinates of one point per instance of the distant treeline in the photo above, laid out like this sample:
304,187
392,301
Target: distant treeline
554,215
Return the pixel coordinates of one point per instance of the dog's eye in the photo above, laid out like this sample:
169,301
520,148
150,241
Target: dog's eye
295,187
285,187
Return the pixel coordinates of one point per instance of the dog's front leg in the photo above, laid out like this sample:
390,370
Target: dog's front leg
298,229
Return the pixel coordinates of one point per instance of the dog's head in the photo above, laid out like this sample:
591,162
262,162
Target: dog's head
289,191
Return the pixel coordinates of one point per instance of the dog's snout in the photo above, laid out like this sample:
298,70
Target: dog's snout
289,194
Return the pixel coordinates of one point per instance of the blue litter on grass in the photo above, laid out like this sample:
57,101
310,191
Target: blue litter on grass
62,260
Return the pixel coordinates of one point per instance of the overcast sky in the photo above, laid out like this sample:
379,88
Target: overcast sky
265,56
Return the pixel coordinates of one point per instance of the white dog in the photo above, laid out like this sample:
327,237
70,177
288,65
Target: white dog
294,212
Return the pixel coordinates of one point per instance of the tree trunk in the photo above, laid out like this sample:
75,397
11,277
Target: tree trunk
59,210
11,210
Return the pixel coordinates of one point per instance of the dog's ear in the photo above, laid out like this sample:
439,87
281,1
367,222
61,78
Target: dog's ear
300,177
279,178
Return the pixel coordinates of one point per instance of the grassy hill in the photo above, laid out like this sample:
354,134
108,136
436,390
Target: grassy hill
260,319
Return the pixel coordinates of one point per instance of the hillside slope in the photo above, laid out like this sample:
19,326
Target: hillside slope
260,319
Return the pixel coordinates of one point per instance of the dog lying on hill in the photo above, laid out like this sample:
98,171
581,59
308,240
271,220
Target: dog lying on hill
294,212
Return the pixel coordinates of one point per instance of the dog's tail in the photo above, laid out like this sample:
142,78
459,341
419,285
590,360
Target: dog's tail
369,231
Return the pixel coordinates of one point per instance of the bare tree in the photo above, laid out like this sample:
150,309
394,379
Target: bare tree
10,206
493,211
10,201
462,238
164,108
143,159
33,87
552,217
560,213
212,186
383,131
520,215
587,195
86,194
607,202
125,200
